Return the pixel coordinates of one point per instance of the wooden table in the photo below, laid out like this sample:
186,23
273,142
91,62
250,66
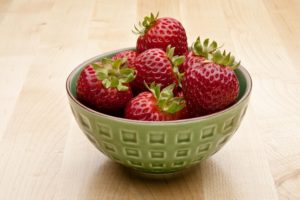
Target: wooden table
44,155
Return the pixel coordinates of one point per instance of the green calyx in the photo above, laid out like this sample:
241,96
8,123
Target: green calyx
204,49
212,52
114,73
165,98
147,23
176,62
225,59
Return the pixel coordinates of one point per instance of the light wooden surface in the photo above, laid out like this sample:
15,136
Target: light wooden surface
44,155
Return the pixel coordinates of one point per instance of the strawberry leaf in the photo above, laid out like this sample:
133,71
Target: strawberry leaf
121,87
154,88
170,52
114,82
176,105
176,62
147,23
231,61
165,98
101,75
225,59
126,71
106,83
212,47
96,66
205,43
116,64
217,57
204,49
114,73
235,65
167,92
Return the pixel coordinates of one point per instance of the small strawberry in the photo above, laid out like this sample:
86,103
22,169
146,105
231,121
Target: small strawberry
129,54
104,85
155,65
211,86
159,33
156,105
198,54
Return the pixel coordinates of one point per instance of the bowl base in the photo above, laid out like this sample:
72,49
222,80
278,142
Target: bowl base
160,175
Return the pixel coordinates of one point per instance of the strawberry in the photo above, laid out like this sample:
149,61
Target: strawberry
129,54
155,65
156,105
104,85
211,86
159,33
198,54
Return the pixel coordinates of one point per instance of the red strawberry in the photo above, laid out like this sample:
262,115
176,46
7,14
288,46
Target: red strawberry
104,86
156,105
129,54
155,65
198,54
211,86
159,33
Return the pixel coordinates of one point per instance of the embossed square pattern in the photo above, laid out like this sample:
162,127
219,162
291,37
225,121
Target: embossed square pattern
104,131
157,165
109,147
203,147
160,151
132,152
157,154
182,153
128,136
184,137
84,122
156,138
208,131
159,147
228,125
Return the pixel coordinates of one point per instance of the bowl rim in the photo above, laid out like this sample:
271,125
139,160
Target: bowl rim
189,120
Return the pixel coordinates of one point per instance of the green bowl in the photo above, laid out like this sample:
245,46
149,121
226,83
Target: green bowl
158,147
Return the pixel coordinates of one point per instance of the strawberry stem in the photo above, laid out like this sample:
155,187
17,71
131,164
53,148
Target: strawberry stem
225,59
176,62
165,98
212,52
114,73
204,49
147,23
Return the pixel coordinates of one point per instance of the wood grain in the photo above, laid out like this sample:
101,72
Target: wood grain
44,155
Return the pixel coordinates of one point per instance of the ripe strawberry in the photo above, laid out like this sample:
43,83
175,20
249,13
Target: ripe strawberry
156,105
211,86
155,65
129,54
198,54
104,85
159,33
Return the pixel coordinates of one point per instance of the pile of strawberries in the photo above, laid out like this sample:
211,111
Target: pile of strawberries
161,80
